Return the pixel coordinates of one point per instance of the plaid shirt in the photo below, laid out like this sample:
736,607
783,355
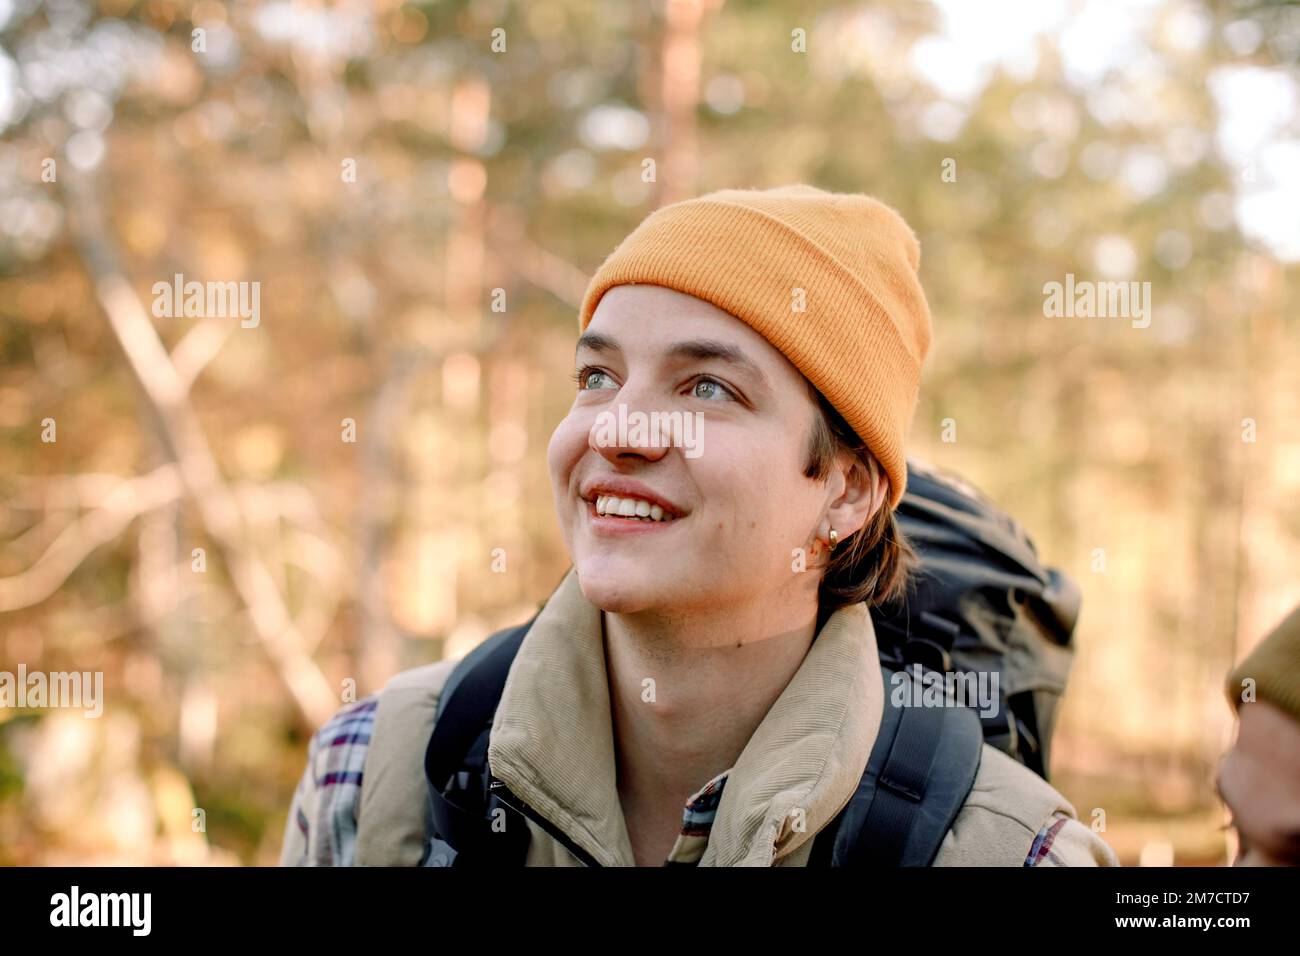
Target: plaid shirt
324,809
322,827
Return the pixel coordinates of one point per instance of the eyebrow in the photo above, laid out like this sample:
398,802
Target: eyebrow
596,342
697,349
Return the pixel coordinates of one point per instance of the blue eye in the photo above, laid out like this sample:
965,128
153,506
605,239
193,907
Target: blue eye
584,375
718,390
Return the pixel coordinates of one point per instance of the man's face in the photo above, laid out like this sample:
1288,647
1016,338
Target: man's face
1259,780
737,510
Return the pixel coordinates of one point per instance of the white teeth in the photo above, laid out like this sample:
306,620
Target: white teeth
629,508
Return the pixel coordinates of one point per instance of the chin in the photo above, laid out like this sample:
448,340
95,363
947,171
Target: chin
614,590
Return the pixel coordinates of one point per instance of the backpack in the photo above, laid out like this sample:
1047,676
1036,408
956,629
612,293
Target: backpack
981,600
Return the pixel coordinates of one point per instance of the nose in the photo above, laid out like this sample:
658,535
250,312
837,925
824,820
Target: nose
631,427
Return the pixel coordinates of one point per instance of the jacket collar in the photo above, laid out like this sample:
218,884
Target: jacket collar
552,740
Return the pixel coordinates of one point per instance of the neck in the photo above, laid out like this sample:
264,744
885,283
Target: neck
715,676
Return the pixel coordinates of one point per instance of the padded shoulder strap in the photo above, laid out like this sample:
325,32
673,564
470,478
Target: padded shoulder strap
455,762
392,817
919,774
394,812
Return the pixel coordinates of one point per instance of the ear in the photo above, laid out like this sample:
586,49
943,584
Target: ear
866,489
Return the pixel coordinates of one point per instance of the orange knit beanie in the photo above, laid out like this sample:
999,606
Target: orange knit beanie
830,279
1274,668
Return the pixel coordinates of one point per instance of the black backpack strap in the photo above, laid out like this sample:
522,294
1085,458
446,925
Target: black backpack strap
456,764
920,772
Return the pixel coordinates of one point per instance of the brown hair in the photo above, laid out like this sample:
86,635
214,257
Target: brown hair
873,564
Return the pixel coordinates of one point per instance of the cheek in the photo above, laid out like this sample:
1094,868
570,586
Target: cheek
789,515
772,505
565,450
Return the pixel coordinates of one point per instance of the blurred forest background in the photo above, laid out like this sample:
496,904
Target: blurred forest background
380,168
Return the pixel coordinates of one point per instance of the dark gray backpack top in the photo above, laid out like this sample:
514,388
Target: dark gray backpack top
982,601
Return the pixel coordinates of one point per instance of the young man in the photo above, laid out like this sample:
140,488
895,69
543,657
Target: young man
704,687
1259,778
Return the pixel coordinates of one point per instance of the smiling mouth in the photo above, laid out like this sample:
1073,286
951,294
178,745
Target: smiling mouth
629,509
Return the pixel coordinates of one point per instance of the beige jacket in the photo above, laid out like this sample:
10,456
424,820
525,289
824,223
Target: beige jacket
552,744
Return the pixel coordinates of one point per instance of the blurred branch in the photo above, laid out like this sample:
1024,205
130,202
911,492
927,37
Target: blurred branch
287,511
547,271
218,509
62,492
129,499
320,605
678,88
40,535
199,347
390,406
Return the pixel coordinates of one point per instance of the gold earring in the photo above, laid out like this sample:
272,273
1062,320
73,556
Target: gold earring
834,539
